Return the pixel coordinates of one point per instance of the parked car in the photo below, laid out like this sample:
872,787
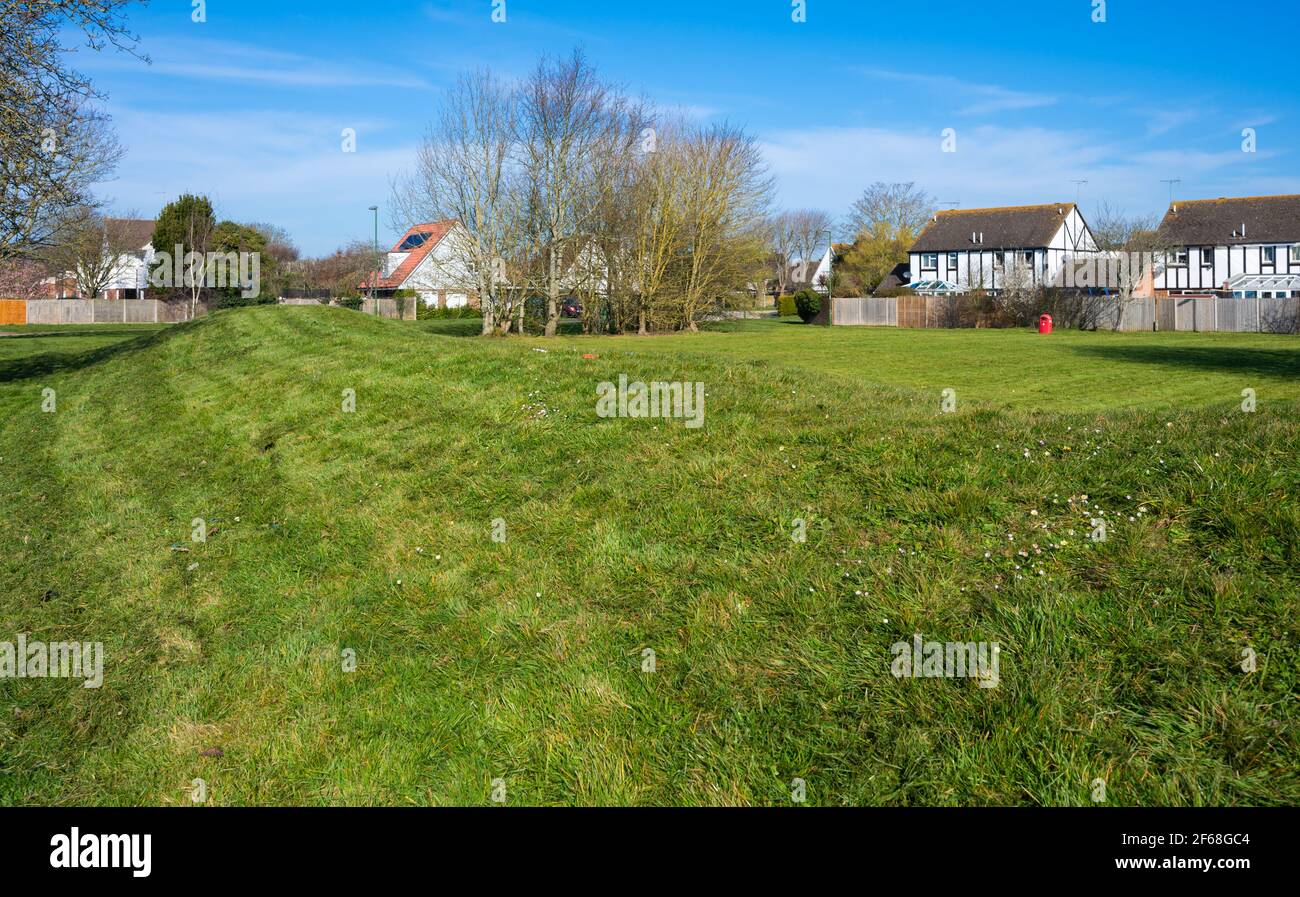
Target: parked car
571,308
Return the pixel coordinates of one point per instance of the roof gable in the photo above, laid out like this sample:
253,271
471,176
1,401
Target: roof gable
135,232
436,231
1267,219
1013,227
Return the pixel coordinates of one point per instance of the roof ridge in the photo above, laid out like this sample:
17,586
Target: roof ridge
1237,198
1043,205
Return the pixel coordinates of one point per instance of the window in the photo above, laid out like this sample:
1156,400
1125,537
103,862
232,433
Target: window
1179,259
929,261
414,241
952,259
999,261
1268,255
1029,257
1207,256
1295,254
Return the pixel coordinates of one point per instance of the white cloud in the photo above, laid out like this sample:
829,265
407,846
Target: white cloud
212,60
993,166
283,167
975,99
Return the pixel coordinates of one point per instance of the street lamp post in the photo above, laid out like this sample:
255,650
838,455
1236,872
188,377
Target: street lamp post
830,276
374,283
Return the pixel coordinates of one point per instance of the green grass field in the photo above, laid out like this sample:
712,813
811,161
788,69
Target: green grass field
524,660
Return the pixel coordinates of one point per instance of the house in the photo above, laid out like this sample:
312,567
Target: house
898,277
1246,247
424,260
816,272
130,275
967,249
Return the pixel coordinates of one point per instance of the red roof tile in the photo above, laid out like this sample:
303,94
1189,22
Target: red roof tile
436,230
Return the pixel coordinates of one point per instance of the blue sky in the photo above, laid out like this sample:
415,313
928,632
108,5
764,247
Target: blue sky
249,106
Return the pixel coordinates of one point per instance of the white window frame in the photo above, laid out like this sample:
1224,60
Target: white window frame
952,260
1207,256
1179,258
1293,256
933,266
999,261
1268,256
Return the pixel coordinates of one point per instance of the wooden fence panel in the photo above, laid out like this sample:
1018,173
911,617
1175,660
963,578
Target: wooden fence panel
13,311
1166,313
881,311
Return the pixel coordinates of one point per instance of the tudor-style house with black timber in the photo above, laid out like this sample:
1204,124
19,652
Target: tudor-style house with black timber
1247,247
967,249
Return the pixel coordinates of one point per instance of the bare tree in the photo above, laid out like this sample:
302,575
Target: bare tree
808,229
571,131
93,250
54,142
781,231
902,206
467,169
725,192
340,272
1131,251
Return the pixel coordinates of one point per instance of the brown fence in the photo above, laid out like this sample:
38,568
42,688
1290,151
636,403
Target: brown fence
1192,313
13,311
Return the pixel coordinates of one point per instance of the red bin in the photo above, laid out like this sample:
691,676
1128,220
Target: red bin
1045,324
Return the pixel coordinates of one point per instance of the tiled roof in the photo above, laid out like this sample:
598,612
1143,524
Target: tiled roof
135,232
1268,219
435,230
1013,227
898,276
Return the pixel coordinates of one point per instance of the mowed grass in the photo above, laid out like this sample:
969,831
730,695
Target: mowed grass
1066,371
523,661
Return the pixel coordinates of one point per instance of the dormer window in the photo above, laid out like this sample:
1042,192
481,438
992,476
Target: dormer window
414,241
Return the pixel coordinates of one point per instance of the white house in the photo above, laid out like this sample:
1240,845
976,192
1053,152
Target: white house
1247,247
816,271
966,249
425,260
130,276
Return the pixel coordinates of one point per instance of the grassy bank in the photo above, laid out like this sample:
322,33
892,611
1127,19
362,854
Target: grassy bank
524,660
